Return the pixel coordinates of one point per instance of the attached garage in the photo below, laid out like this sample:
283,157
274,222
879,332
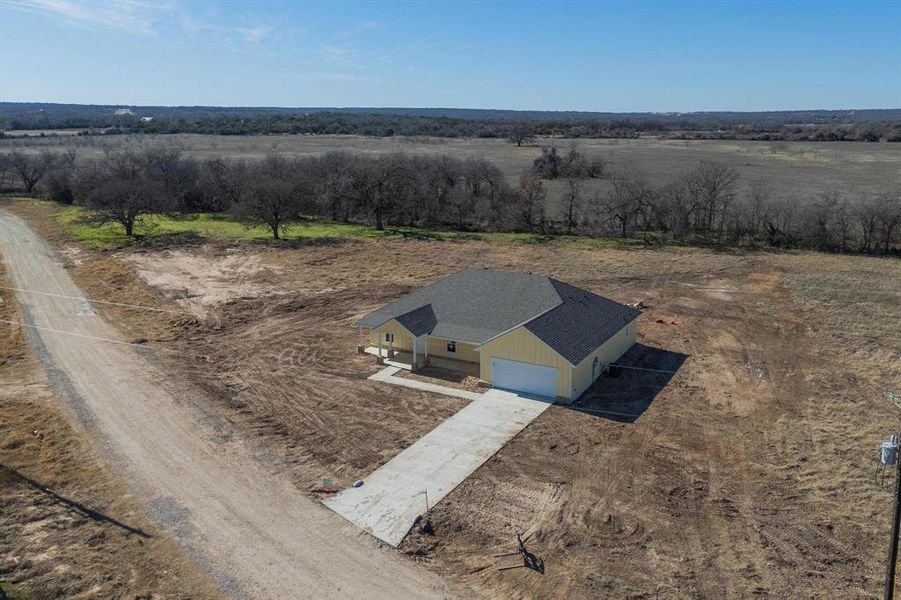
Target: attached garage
523,377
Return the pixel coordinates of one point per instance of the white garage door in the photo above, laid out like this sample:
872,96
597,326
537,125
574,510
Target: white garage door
524,377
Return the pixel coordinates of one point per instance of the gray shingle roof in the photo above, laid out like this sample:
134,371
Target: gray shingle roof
581,323
477,305
419,321
474,305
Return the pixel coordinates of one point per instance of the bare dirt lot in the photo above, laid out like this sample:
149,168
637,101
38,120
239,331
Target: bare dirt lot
747,472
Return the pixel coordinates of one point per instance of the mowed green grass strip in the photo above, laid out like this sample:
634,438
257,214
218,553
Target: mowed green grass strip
208,225
223,227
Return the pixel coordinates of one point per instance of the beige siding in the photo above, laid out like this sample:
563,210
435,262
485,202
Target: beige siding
465,351
403,339
522,345
606,354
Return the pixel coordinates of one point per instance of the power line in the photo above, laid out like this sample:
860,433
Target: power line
102,339
93,301
602,412
642,369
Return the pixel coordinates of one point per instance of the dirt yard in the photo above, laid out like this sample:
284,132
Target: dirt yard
750,471
68,528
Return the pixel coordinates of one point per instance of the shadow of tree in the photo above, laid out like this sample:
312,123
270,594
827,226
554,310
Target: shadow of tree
627,390
6,473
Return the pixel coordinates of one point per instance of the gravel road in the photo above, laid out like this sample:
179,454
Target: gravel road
235,512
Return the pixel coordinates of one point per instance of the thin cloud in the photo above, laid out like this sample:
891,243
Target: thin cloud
362,28
254,35
130,16
341,56
344,77
142,17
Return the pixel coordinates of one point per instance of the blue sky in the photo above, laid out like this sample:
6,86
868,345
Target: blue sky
605,56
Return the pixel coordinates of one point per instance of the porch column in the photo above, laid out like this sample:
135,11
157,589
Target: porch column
414,350
378,334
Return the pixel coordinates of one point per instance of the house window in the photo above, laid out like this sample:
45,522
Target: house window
451,346
389,337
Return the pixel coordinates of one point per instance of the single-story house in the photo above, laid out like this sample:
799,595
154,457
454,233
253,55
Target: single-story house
525,332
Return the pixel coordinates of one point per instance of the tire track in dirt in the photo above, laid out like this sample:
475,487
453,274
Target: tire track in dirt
239,518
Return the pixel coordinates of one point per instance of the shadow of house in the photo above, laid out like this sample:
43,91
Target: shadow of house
628,389
12,475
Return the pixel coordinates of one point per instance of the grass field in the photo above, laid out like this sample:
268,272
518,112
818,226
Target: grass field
792,170
221,227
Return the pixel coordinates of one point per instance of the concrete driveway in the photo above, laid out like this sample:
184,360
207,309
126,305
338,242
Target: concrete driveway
391,498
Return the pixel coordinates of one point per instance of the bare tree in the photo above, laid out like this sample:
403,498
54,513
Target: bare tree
6,171
522,132
488,184
547,166
626,199
333,183
62,178
164,163
572,203
442,177
530,200
713,187
30,169
222,183
275,195
866,214
121,191
758,208
889,219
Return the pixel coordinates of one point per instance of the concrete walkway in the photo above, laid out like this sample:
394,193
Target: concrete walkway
391,498
387,375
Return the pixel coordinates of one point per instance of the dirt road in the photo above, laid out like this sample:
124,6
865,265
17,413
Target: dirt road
233,509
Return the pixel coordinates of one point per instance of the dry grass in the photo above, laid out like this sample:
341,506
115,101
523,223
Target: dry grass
68,527
791,169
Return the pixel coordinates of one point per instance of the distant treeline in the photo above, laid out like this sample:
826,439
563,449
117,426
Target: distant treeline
707,205
867,125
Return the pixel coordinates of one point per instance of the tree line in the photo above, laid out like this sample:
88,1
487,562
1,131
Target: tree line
593,196
866,126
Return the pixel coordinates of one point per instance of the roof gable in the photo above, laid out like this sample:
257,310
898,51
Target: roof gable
418,321
581,323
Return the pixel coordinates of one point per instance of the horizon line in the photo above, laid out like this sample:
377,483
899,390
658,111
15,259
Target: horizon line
462,108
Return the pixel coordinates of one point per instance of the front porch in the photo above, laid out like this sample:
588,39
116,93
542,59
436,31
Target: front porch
394,344
404,359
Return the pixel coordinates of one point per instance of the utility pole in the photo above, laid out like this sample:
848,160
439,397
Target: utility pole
892,447
893,547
